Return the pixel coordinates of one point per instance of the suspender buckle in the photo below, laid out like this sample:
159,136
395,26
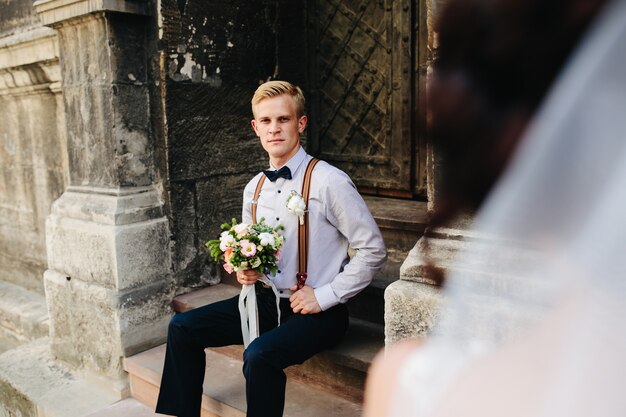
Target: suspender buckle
301,278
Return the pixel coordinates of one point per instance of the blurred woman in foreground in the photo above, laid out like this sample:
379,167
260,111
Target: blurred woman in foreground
528,104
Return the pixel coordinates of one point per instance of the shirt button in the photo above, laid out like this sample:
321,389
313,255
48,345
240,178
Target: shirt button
278,191
280,291
279,271
277,218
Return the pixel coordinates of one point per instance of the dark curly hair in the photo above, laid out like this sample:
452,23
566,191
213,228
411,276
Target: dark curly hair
495,62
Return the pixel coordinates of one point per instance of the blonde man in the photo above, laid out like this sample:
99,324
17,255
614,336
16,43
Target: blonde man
314,317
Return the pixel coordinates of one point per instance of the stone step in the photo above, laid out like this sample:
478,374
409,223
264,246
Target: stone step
224,388
202,297
403,221
341,370
129,407
23,315
33,384
369,304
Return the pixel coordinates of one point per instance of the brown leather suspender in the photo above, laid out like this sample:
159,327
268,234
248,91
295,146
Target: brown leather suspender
301,276
303,229
255,199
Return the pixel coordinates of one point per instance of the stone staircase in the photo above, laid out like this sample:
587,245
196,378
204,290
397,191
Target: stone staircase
23,316
329,384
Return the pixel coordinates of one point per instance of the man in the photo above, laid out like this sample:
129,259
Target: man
314,317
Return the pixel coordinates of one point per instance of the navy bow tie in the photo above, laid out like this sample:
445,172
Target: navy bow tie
284,172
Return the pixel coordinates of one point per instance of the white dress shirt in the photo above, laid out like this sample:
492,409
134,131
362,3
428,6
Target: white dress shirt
338,219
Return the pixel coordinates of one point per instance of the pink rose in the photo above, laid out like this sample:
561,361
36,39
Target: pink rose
228,268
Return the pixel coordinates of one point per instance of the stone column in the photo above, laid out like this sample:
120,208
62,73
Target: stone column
107,237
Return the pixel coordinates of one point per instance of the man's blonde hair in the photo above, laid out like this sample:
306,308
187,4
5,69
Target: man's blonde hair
276,88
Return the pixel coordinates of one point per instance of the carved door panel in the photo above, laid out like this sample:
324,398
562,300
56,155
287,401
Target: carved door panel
363,92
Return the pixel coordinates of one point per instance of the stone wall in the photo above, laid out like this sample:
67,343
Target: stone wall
33,154
214,55
17,15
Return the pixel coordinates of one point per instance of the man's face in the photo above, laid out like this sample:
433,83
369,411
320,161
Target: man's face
278,126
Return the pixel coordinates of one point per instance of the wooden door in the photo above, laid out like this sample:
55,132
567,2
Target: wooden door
364,60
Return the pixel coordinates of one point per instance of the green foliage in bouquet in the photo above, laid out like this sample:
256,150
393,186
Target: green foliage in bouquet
248,246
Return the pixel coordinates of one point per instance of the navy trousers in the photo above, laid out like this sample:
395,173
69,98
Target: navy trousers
299,337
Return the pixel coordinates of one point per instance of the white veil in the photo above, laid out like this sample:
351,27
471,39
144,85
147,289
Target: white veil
552,261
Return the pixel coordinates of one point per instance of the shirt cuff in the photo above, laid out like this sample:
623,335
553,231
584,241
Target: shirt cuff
326,297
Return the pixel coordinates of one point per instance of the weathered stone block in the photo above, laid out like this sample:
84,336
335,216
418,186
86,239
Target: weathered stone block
108,123
79,248
84,43
184,226
89,120
23,313
412,303
60,316
109,240
411,310
33,160
108,284
22,257
219,200
210,132
144,314
16,14
142,253
127,35
112,256
93,327
440,250
84,323
211,42
199,211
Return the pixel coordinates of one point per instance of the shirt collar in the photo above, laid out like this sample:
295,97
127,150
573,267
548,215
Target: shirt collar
294,163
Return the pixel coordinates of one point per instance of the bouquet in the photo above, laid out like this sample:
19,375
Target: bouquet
248,246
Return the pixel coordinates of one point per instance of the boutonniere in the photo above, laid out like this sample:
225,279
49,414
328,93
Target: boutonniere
296,205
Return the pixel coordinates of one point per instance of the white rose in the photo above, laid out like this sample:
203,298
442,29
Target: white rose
226,241
266,239
242,229
296,205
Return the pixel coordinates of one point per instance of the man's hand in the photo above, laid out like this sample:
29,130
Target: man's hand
303,301
247,277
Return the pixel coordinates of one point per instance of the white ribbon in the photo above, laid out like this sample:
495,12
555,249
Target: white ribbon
249,312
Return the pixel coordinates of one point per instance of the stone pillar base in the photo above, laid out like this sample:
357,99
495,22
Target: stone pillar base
108,282
412,303
411,310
